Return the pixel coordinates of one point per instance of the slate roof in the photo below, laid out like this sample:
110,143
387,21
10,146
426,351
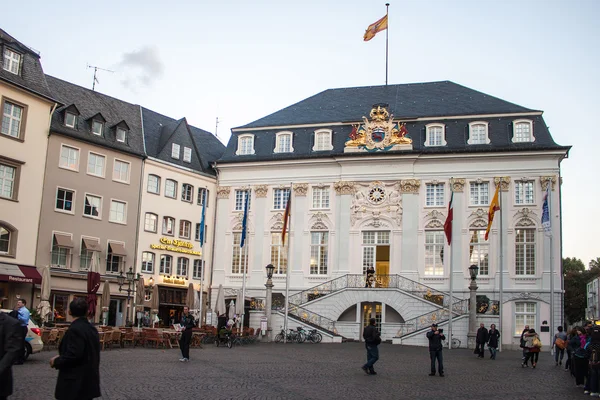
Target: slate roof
161,132
89,104
31,75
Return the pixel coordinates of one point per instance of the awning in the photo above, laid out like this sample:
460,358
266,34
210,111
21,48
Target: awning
118,249
91,244
19,274
63,240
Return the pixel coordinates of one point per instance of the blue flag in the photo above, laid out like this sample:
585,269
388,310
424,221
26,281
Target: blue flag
546,223
202,218
245,220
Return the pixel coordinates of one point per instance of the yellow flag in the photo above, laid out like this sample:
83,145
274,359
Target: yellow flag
374,28
494,206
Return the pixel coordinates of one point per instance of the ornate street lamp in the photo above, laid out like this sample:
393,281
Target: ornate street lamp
269,302
472,335
130,279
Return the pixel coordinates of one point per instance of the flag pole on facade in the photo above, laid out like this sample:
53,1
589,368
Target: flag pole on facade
501,266
376,27
547,226
287,224
387,7
201,238
245,250
448,231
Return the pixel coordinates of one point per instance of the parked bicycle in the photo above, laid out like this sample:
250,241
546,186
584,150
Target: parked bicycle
292,336
312,335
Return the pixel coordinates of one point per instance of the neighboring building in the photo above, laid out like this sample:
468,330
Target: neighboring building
178,181
374,191
26,104
91,200
592,310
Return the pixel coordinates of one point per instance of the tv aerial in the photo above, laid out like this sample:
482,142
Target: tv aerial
96,69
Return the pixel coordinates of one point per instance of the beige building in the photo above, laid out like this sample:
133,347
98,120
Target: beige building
26,104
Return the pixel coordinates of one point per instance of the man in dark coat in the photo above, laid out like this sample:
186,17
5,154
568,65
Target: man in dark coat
78,362
493,340
480,340
10,347
435,337
187,323
372,339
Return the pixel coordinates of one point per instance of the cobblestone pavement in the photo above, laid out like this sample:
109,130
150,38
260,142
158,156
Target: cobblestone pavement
305,371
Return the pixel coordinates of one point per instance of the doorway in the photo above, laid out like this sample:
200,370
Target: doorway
376,254
371,310
115,313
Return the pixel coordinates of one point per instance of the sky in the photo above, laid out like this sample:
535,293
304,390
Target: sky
239,61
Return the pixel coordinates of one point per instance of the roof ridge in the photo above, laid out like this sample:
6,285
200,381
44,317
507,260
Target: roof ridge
91,91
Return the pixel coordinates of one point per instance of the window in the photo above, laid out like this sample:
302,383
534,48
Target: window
97,127
175,151
147,262
121,135
147,294
434,247
198,272
168,226
11,119
118,212
5,240
240,199
525,314
525,252
182,266
478,133
96,164
434,135
320,197
280,198
85,257
70,120
197,235
60,255
171,188
153,184
92,206
69,158
185,228
187,192
278,254
239,261
522,132
245,145
479,193
524,192
187,155
12,61
121,171
319,242
434,195
64,200
283,143
113,260
166,262
479,250
150,222
203,196
8,176
322,140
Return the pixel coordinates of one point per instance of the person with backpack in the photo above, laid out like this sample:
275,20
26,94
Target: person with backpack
559,344
534,346
593,354
372,338
580,358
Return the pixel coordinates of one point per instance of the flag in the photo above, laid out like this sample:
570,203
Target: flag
245,220
202,223
494,206
546,224
449,218
376,27
286,217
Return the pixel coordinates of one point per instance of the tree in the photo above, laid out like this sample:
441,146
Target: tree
576,278
572,265
595,264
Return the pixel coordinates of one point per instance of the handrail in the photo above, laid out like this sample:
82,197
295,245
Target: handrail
313,318
436,316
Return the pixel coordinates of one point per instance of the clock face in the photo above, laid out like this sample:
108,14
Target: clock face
376,195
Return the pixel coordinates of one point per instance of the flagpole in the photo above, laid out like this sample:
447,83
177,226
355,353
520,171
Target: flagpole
203,233
501,264
287,269
245,263
387,6
549,199
451,267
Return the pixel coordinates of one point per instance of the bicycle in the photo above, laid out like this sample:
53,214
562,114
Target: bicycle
312,335
455,342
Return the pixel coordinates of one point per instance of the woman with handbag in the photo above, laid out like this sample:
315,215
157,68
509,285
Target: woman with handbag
580,358
533,345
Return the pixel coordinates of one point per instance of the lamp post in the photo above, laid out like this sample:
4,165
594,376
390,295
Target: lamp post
269,285
471,337
130,278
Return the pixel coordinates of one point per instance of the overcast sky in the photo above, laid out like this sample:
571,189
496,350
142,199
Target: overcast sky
241,60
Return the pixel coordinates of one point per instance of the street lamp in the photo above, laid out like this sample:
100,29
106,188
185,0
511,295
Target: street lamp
472,335
131,280
269,285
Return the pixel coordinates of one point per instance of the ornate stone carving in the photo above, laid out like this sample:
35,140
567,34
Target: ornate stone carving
458,185
300,189
410,186
525,213
545,180
344,187
320,221
434,224
479,213
261,191
378,223
374,199
223,192
435,214
525,222
503,181
479,223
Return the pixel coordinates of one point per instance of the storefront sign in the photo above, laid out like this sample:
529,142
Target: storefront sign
173,280
177,246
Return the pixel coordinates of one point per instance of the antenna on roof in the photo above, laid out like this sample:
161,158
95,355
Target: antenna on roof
95,72
216,127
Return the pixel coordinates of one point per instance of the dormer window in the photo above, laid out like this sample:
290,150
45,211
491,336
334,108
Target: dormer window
12,61
187,154
523,131
323,140
97,127
478,133
175,151
70,120
283,142
121,135
435,135
245,145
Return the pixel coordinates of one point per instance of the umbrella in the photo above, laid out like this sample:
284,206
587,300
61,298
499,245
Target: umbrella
105,299
190,296
44,308
93,284
220,307
154,302
239,304
231,313
197,308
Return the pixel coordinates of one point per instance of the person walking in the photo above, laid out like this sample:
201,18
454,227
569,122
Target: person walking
480,340
533,346
492,340
435,337
10,346
372,338
370,277
187,323
559,344
23,315
522,343
78,360
593,355
580,360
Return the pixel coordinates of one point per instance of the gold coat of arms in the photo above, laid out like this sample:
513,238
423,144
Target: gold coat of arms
380,133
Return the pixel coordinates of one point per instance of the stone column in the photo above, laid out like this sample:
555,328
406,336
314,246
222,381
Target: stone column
410,227
258,209
343,190
472,335
268,306
299,215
